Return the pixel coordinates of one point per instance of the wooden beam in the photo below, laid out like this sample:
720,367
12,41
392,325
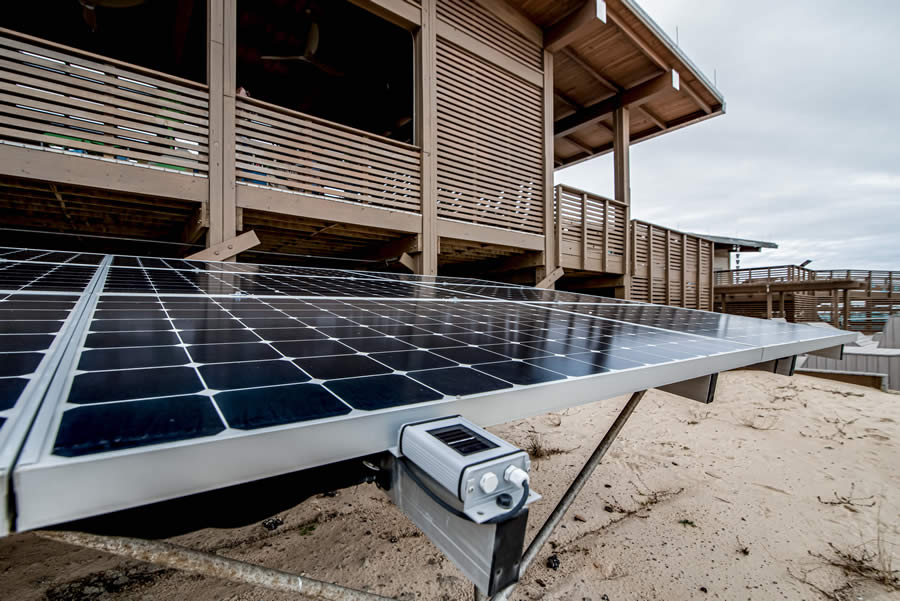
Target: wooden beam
567,29
458,230
407,245
426,129
197,225
796,286
696,98
398,12
591,70
550,241
658,85
551,278
657,121
316,207
228,249
515,19
636,40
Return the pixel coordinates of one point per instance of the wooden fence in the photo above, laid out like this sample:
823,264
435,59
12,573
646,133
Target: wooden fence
670,267
779,273
57,98
294,152
591,231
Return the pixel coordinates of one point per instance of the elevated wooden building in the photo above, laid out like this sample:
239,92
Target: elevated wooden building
421,130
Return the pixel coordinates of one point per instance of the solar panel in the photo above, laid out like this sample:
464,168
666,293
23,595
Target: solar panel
184,376
39,302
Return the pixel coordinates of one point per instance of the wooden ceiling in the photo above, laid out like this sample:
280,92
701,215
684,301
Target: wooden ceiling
601,62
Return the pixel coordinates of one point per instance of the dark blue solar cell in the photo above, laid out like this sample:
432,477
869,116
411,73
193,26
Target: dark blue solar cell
130,358
469,355
341,366
217,336
276,405
10,390
207,324
479,339
376,345
99,428
129,325
519,372
296,333
606,360
57,306
647,358
442,328
412,360
567,366
225,376
227,353
115,339
19,364
454,381
275,322
29,342
555,347
313,348
379,392
516,351
347,331
104,386
198,314
134,314
430,341
30,327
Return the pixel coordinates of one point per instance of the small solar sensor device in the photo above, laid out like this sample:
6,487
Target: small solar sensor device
485,474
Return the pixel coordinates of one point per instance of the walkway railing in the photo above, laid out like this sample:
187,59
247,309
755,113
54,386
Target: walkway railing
591,230
60,99
294,152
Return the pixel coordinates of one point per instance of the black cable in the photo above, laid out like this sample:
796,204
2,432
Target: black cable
494,520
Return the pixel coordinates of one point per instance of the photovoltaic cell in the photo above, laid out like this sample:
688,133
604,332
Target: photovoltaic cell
263,369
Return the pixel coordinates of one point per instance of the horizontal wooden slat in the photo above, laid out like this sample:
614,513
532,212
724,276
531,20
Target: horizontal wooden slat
292,152
52,96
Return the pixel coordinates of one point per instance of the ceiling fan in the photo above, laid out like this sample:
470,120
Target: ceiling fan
309,54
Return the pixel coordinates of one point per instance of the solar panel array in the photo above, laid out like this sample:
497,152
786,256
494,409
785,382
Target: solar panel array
170,364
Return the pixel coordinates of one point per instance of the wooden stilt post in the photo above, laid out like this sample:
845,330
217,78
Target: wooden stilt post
768,303
426,41
846,324
622,175
834,309
781,310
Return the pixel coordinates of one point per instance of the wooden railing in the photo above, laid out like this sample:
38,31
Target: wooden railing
758,275
293,152
57,98
876,281
670,267
590,230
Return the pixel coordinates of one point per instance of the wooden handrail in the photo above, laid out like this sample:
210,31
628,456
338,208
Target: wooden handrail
102,59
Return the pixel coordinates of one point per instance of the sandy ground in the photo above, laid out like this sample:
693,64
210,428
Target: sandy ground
737,500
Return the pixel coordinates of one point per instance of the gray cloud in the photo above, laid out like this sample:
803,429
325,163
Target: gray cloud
808,154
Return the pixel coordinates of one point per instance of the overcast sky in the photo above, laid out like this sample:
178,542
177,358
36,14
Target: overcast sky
808,152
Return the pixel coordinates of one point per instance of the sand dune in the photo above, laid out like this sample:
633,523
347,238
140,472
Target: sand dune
740,499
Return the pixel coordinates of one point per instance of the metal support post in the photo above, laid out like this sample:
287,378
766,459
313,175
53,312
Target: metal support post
568,498
181,558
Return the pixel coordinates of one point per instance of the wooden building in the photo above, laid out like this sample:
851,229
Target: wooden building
426,131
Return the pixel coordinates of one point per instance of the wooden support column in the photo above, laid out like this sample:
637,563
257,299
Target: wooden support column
684,270
781,310
768,303
551,242
426,42
846,324
668,269
834,308
221,79
622,175
584,231
649,263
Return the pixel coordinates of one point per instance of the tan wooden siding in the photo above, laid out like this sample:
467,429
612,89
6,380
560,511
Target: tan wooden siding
670,267
471,17
591,231
57,98
293,152
489,143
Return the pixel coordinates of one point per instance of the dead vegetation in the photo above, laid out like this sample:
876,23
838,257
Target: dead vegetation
538,450
849,501
870,563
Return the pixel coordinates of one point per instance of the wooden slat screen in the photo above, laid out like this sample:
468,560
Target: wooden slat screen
294,152
591,229
670,267
60,99
489,143
471,17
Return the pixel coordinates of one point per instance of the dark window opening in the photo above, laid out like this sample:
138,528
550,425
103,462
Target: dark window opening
330,59
164,35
